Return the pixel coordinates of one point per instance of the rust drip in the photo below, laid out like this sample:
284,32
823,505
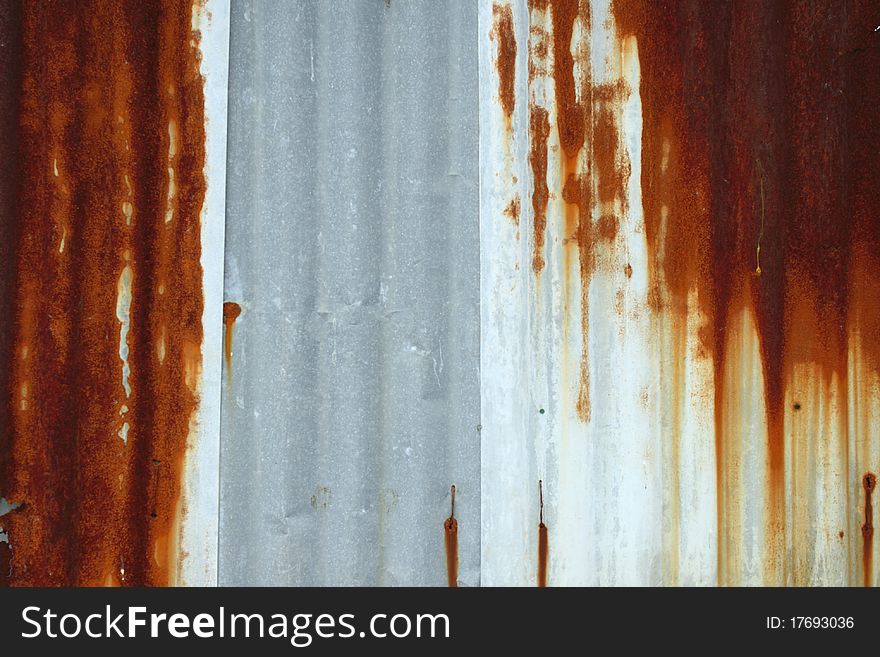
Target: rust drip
539,131
759,146
563,14
105,320
611,162
543,540
231,311
869,481
594,168
450,530
502,17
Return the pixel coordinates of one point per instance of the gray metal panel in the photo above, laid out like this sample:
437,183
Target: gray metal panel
353,399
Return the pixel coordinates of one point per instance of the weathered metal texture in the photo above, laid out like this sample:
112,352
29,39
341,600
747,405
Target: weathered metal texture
351,400
680,333
103,201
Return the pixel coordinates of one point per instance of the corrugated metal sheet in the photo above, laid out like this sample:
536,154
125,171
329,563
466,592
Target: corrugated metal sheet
351,397
521,292
679,332
112,192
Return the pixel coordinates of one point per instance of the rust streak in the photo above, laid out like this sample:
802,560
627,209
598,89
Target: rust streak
502,17
231,311
758,122
539,131
869,481
450,530
592,166
101,284
543,540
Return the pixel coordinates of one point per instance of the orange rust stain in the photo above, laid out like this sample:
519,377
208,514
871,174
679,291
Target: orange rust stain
93,152
578,195
610,160
563,14
539,131
231,311
543,540
594,169
538,49
450,531
759,148
869,481
512,210
502,17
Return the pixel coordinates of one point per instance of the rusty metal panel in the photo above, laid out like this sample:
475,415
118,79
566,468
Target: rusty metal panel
113,120
632,340
679,321
351,395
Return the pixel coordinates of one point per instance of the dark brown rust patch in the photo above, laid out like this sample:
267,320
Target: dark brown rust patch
539,131
572,126
10,79
231,311
760,149
5,561
869,481
611,164
450,531
512,210
110,103
543,540
503,33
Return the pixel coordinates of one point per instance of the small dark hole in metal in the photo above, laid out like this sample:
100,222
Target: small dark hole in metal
797,406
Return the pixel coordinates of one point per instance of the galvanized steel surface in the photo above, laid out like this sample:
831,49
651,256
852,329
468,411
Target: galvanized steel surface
517,292
351,403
